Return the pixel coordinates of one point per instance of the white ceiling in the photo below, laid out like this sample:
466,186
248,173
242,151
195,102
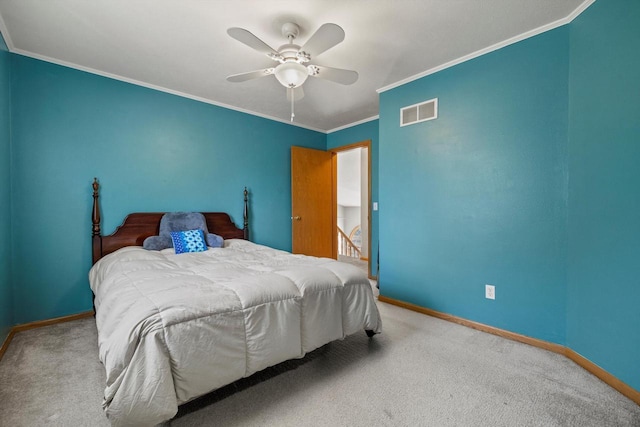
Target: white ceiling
181,46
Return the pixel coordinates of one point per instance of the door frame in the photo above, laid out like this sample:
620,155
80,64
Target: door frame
362,144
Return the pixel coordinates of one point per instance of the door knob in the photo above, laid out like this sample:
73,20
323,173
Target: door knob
297,218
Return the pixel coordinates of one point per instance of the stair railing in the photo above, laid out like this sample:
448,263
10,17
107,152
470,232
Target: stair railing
346,246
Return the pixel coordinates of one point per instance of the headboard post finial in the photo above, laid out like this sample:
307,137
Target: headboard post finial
95,216
96,237
246,215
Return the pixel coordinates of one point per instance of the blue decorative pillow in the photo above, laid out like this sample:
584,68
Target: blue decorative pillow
188,241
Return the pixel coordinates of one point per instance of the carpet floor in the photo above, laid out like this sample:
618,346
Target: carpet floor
421,371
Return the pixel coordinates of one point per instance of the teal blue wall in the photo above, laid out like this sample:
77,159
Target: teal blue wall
527,180
6,316
151,151
358,133
479,195
603,312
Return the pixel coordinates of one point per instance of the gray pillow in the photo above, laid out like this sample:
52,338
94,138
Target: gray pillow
180,221
157,243
214,241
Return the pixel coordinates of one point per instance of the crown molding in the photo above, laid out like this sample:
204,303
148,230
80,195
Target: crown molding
156,87
350,125
500,45
5,35
573,15
523,36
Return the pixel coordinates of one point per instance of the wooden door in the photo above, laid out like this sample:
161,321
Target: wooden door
313,202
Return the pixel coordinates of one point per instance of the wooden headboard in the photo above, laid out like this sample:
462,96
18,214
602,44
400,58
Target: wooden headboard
138,226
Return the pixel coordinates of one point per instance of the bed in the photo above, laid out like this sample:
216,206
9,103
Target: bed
173,327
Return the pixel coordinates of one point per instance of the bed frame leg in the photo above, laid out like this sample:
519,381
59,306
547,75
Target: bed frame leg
370,333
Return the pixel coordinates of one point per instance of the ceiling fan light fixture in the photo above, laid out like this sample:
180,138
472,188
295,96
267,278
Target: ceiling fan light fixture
291,71
291,74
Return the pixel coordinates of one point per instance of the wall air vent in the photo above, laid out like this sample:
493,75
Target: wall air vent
416,113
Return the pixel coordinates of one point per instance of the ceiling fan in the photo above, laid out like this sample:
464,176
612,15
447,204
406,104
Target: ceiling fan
294,68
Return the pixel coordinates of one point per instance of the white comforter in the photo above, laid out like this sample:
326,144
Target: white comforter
174,327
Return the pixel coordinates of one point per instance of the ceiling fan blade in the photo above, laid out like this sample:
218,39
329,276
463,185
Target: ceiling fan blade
243,77
338,75
246,37
325,38
297,93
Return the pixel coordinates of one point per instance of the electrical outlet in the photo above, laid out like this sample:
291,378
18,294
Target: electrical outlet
490,291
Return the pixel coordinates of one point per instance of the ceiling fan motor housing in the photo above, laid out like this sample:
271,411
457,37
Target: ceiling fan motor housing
291,73
290,30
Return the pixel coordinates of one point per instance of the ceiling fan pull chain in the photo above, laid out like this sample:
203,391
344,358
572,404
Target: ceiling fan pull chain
292,115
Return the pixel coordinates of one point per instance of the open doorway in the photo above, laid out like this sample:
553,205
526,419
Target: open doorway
353,199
